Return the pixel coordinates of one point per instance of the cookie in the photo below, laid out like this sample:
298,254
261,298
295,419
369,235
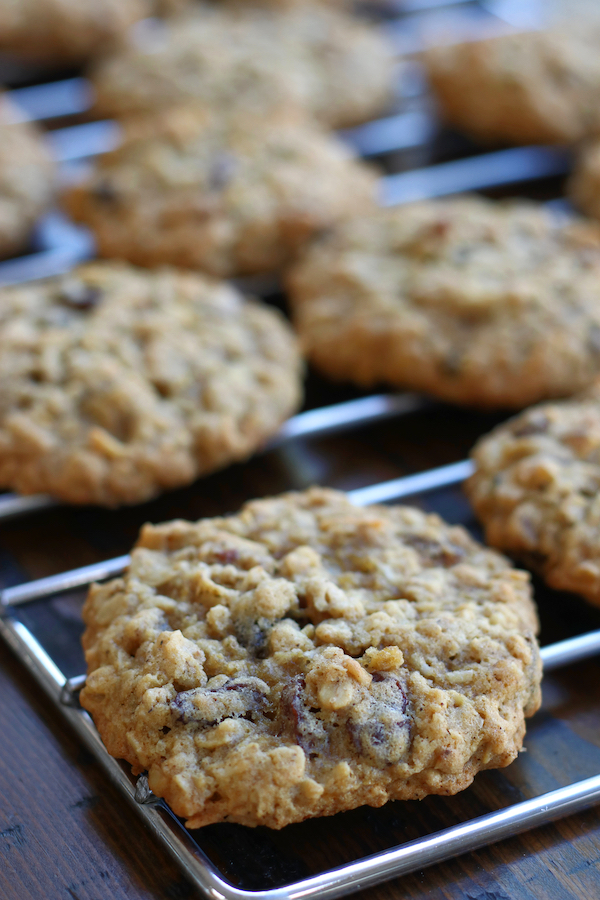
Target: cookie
306,657
65,31
118,383
252,58
523,88
476,302
210,192
536,489
26,179
583,186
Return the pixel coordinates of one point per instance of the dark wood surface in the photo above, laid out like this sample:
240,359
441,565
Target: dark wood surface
66,833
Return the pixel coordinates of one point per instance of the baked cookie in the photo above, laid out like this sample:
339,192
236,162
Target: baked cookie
306,657
523,88
117,383
536,489
252,58
584,184
210,192
65,31
476,302
26,178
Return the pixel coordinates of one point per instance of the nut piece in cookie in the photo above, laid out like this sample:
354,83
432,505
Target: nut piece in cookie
213,192
118,383
259,59
476,302
524,88
536,489
306,657
27,178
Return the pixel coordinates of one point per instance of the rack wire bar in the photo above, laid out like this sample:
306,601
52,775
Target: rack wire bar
312,423
408,485
329,419
472,173
52,100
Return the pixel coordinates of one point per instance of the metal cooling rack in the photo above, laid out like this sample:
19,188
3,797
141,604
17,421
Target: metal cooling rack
59,244
362,873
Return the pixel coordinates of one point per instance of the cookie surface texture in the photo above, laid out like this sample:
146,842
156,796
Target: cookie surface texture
524,88
476,302
66,30
316,59
118,383
536,489
214,193
306,657
27,178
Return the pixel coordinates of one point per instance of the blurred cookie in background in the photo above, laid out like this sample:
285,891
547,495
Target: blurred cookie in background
523,88
320,60
118,383
65,32
27,178
216,193
476,302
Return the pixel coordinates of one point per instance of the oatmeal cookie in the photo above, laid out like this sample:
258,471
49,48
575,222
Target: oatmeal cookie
477,302
117,383
536,489
26,178
524,88
259,59
306,657
65,31
214,193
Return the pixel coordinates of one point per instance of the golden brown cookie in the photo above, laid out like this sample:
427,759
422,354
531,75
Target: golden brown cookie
118,383
305,657
317,59
27,178
65,31
476,302
536,489
213,192
523,88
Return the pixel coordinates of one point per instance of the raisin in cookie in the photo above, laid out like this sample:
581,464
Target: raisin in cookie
118,383
259,59
524,88
536,489
65,31
306,657
476,302
213,192
26,178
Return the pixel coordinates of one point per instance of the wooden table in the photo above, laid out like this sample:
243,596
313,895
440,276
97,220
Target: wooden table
66,833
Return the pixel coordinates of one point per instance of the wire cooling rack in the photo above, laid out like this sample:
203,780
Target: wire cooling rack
182,844
406,135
